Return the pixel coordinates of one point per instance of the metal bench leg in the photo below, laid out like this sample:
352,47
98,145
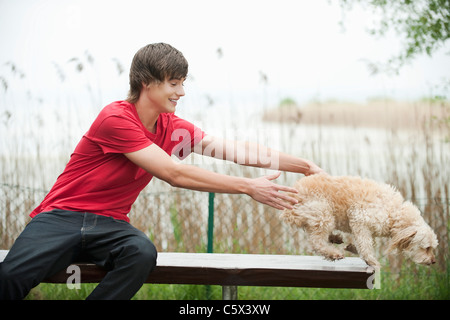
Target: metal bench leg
229,293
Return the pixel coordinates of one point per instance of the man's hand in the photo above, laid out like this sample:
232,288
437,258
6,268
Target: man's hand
272,194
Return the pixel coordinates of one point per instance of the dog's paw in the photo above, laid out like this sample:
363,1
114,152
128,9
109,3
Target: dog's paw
373,263
334,256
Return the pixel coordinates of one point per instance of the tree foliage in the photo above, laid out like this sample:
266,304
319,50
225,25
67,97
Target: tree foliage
424,26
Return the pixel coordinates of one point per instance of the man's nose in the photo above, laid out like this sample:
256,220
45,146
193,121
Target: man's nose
180,91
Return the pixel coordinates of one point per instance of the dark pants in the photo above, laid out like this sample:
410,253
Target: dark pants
54,240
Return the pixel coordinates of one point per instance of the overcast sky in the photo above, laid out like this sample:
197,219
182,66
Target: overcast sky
299,45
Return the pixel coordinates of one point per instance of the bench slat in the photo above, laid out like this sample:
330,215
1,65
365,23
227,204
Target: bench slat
243,270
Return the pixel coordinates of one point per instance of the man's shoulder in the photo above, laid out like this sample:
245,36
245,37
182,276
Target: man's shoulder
117,108
118,114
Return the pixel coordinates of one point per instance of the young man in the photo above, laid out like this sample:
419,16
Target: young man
84,216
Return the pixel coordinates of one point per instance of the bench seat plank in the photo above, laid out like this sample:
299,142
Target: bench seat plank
244,270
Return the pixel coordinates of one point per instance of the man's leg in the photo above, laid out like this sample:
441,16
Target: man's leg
126,252
47,245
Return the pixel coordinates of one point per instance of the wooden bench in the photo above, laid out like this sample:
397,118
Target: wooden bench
233,270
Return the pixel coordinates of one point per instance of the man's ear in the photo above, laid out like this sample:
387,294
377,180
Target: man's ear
147,86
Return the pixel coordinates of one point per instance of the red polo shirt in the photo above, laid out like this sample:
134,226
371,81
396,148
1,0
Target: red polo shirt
99,178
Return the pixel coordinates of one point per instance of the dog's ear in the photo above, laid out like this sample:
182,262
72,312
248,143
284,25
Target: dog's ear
402,238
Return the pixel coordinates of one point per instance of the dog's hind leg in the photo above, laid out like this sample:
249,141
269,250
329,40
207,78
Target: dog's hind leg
320,244
319,225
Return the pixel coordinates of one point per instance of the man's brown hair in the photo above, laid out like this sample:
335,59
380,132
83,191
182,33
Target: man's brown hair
155,63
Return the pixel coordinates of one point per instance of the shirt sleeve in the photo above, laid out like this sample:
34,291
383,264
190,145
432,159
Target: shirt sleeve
116,134
185,135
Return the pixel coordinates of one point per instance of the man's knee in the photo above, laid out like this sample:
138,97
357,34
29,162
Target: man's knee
148,253
142,252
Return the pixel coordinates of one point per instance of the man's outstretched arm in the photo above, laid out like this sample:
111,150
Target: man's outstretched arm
159,164
255,155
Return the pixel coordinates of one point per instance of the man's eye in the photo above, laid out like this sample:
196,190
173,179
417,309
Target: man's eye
173,84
